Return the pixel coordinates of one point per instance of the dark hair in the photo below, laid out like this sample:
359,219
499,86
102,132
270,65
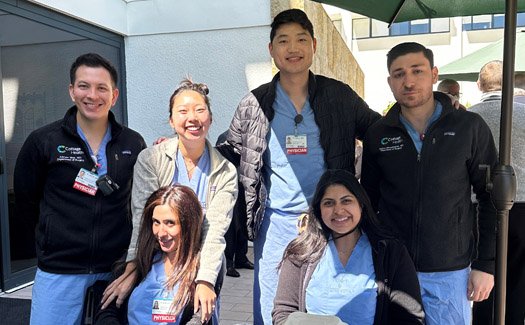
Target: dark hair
310,244
188,84
406,48
93,60
291,16
185,205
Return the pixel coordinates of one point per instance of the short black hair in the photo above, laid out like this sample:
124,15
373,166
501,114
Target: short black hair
291,16
408,47
93,60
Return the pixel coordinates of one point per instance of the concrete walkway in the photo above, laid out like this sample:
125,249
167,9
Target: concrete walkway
236,297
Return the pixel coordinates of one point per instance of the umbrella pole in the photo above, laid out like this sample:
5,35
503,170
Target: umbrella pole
504,181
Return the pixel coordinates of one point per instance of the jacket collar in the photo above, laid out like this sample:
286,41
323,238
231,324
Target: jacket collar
490,96
267,101
392,117
70,122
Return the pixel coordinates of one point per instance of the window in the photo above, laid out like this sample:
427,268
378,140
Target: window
489,21
368,28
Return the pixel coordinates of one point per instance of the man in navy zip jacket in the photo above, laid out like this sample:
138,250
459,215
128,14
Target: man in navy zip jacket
72,183
419,164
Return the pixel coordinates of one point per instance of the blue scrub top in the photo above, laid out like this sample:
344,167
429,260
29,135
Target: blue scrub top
199,180
347,291
416,137
291,179
141,300
100,157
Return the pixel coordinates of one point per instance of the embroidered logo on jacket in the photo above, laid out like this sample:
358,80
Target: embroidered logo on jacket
66,153
391,144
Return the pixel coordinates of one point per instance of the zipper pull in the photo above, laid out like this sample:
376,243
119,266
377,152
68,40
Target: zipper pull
116,156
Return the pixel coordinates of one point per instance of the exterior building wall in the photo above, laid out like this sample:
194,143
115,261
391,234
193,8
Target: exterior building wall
230,62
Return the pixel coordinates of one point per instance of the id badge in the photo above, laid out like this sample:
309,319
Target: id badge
86,181
296,144
160,311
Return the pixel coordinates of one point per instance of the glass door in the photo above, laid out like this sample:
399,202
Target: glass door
35,58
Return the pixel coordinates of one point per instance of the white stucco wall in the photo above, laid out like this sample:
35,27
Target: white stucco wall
231,62
108,14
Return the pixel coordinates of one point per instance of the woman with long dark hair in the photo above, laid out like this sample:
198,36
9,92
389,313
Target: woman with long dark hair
167,261
344,263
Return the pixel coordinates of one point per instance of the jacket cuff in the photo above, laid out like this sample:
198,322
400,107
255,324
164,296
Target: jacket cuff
487,266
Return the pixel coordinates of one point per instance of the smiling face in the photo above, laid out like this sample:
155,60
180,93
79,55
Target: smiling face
166,228
190,116
340,210
411,79
93,93
292,49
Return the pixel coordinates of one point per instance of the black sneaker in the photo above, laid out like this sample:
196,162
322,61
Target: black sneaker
245,265
232,272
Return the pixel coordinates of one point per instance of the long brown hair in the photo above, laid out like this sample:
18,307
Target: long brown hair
185,204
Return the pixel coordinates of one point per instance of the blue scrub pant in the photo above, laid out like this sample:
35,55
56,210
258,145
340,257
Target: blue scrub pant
59,298
273,237
445,297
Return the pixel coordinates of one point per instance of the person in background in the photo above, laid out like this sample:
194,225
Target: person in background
490,84
237,235
519,87
420,163
167,262
346,264
63,171
283,136
188,159
449,86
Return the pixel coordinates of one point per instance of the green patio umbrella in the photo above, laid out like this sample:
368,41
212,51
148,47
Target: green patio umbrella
391,11
467,68
503,180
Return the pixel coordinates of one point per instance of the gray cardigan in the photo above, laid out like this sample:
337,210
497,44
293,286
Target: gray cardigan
490,110
155,168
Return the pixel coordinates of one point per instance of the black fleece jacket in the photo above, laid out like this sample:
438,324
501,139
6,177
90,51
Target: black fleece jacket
426,197
76,233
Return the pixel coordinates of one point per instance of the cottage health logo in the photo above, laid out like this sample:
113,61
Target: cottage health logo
73,150
391,140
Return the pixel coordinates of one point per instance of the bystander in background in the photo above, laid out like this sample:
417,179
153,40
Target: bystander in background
490,84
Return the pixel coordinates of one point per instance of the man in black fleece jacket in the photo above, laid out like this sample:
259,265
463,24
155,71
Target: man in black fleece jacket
419,164
72,183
